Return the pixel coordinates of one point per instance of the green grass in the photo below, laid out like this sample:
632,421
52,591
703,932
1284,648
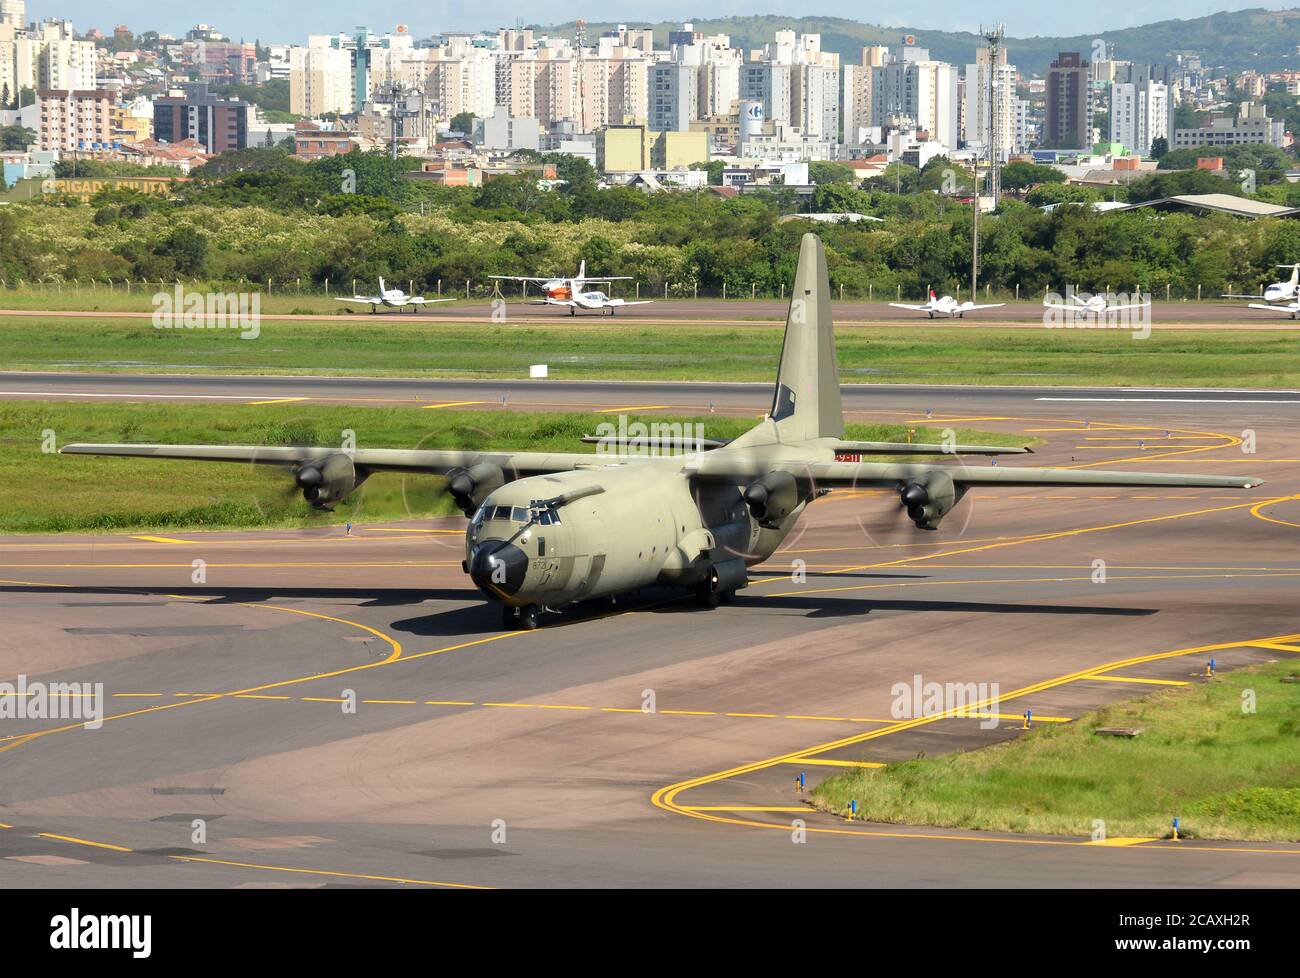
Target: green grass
1226,774
58,493
596,348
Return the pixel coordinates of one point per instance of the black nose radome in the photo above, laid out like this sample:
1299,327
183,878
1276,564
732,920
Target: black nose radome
498,568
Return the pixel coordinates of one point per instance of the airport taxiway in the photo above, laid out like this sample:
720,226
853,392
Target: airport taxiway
226,694
849,314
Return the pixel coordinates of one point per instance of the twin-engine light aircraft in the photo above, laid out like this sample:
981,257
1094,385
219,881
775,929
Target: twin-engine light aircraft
570,292
1288,291
550,529
395,298
945,305
1092,305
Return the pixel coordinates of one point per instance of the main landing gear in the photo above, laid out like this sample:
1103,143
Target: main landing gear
706,597
523,618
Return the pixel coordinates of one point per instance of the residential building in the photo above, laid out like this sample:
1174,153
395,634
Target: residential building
911,91
1139,114
75,120
320,79
51,57
13,13
216,124
674,96
1251,125
855,94
503,133
1069,117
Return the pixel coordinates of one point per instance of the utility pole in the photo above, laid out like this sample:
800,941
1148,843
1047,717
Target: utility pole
975,233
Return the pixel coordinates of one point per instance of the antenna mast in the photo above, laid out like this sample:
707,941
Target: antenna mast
580,39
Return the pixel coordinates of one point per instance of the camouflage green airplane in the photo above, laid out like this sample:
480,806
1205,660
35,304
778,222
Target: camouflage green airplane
548,530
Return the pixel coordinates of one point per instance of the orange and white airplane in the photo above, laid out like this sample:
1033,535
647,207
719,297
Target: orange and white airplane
571,293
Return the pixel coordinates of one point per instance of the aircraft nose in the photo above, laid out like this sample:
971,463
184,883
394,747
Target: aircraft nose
498,568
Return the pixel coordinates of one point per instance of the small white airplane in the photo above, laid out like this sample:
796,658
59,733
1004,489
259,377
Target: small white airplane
1092,305
1288,291
1291,307
391,297
570,292
945,306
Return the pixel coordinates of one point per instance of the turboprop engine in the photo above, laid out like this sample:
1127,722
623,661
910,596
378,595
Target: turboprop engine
772,498
930,499
324,482
469,487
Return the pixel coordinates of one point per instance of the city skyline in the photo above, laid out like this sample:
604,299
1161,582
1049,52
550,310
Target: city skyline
241,18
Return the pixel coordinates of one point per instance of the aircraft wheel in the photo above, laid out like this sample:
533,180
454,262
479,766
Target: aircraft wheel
705,596
931,315
728,596
509,616
528,617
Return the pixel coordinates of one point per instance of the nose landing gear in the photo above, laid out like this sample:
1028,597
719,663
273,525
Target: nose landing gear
523,618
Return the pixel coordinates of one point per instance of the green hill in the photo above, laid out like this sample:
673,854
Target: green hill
1266,40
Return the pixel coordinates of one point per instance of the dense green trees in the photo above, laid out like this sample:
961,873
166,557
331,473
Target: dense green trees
261,214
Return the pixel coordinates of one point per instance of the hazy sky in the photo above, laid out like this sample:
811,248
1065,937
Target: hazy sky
293,20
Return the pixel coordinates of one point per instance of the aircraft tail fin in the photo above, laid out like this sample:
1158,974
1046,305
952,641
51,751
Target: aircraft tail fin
1295,274
807,399
381,285
582,271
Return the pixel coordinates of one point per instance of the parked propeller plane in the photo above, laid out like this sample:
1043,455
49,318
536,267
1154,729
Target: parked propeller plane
569,292
945,305
548,529
396,298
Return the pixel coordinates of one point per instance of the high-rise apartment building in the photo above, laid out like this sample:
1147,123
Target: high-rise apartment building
1069,111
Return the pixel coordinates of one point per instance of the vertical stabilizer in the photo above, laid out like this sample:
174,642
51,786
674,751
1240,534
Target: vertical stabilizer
807,399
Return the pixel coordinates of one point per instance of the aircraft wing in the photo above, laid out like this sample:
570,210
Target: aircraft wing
432,462
555,302
634,302
920,448
904,305
1062,306
1131,305
367,300
1290,307
970,306
421,301
832,475
528,278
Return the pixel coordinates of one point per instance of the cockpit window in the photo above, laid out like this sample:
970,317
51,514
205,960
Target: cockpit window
519,514
544,515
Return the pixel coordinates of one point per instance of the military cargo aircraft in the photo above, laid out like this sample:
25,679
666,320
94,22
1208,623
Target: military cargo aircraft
550,529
